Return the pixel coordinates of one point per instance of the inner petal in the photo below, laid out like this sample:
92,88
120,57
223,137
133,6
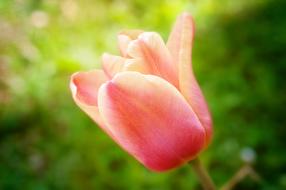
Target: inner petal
125,37
113,64
151,48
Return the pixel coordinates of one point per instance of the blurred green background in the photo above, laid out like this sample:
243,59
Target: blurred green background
46,142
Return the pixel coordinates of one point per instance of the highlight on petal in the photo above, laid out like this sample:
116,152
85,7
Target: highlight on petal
84,87
125,37
113,64
151,48
180,45
151,120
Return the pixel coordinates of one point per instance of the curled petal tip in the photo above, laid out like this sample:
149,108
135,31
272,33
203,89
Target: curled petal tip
72,85
84,86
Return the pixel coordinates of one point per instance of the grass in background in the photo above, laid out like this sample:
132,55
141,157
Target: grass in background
46,142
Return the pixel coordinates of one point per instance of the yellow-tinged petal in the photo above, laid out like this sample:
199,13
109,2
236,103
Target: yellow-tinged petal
112,64
151,120
125,37
135,65
180,45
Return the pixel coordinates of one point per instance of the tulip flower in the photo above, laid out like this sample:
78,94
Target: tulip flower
147,99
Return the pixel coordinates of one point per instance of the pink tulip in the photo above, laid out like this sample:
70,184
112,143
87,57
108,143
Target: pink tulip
148,100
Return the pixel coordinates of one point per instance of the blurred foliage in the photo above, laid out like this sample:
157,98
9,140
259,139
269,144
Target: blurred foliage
46,142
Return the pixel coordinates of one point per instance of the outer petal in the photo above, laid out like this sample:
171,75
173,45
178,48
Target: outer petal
151,48
84,87
151,120
180,45
125,37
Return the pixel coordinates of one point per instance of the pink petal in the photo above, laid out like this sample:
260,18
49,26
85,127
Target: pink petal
84,87
180,45
151,49
125,37
175,40
151,120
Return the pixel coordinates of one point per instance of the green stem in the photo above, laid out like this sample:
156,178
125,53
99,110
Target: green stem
203,175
